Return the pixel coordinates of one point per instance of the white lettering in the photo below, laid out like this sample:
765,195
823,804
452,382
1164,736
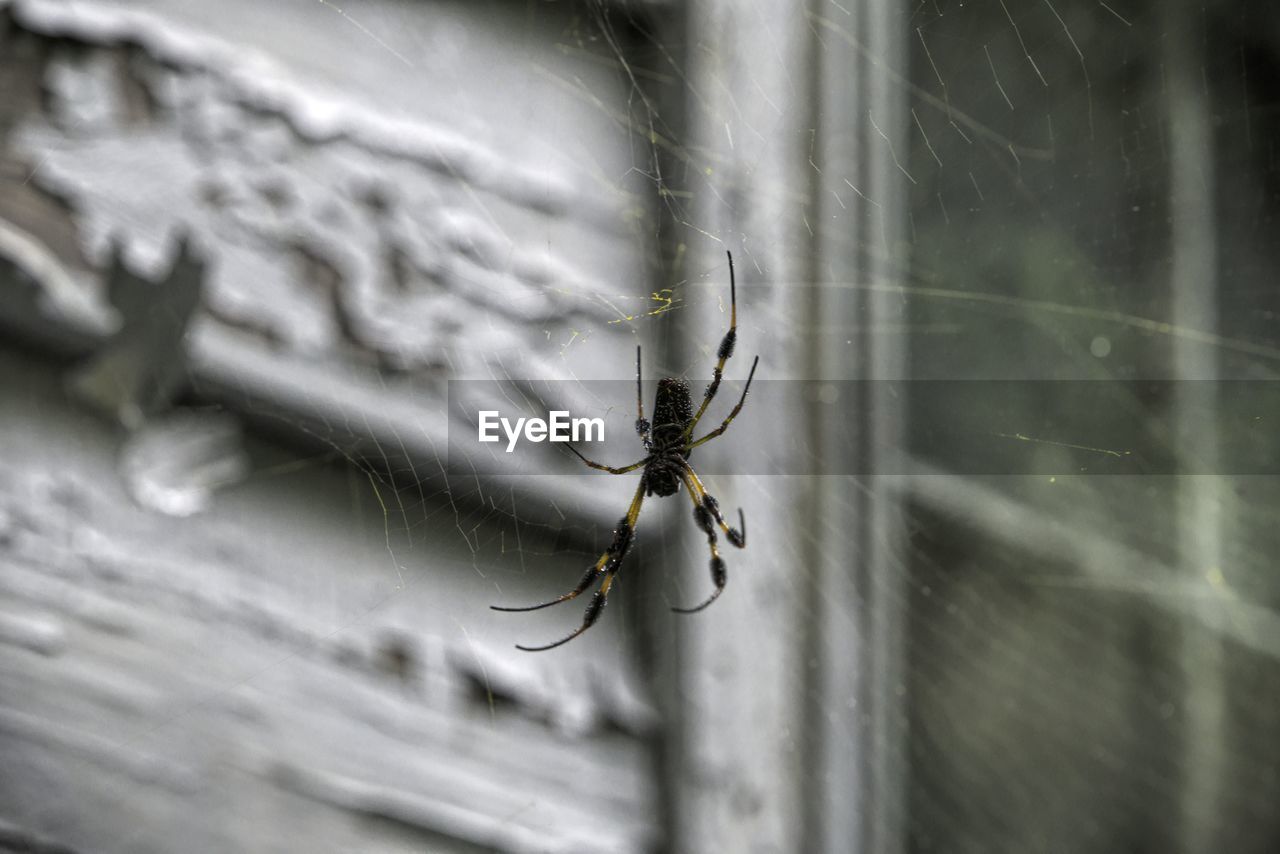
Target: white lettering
587,424
512,435
560,428
559,425
488,423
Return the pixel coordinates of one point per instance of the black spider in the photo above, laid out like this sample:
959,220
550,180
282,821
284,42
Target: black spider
668,442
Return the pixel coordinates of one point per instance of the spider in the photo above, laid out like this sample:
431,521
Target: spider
668,442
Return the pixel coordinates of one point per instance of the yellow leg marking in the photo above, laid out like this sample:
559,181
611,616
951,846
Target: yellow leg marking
717,565
692,475
706,401
697,502
693,486
692,482
718,375
633,512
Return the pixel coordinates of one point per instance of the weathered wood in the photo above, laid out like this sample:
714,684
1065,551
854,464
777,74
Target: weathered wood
308,661
267,651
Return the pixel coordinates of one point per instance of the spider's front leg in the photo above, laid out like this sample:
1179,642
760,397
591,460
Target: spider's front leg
723,354
642,423
733,413
606,566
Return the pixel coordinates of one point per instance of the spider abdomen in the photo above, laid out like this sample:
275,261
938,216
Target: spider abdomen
672,412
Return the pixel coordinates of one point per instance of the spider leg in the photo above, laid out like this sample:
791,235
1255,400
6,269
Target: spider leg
642,425
598,602
723,354
609,469
737,536
623,536
732,414
590,577
702,514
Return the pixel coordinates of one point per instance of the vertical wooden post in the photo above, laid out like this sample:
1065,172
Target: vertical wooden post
1194,294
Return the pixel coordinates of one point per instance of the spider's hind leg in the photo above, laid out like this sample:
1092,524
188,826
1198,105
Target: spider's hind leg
608,561
707,502
592,575
607,566
737,536
706,512
598,601
719,572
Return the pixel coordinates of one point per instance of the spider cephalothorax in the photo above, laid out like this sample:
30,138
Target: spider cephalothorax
668,443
